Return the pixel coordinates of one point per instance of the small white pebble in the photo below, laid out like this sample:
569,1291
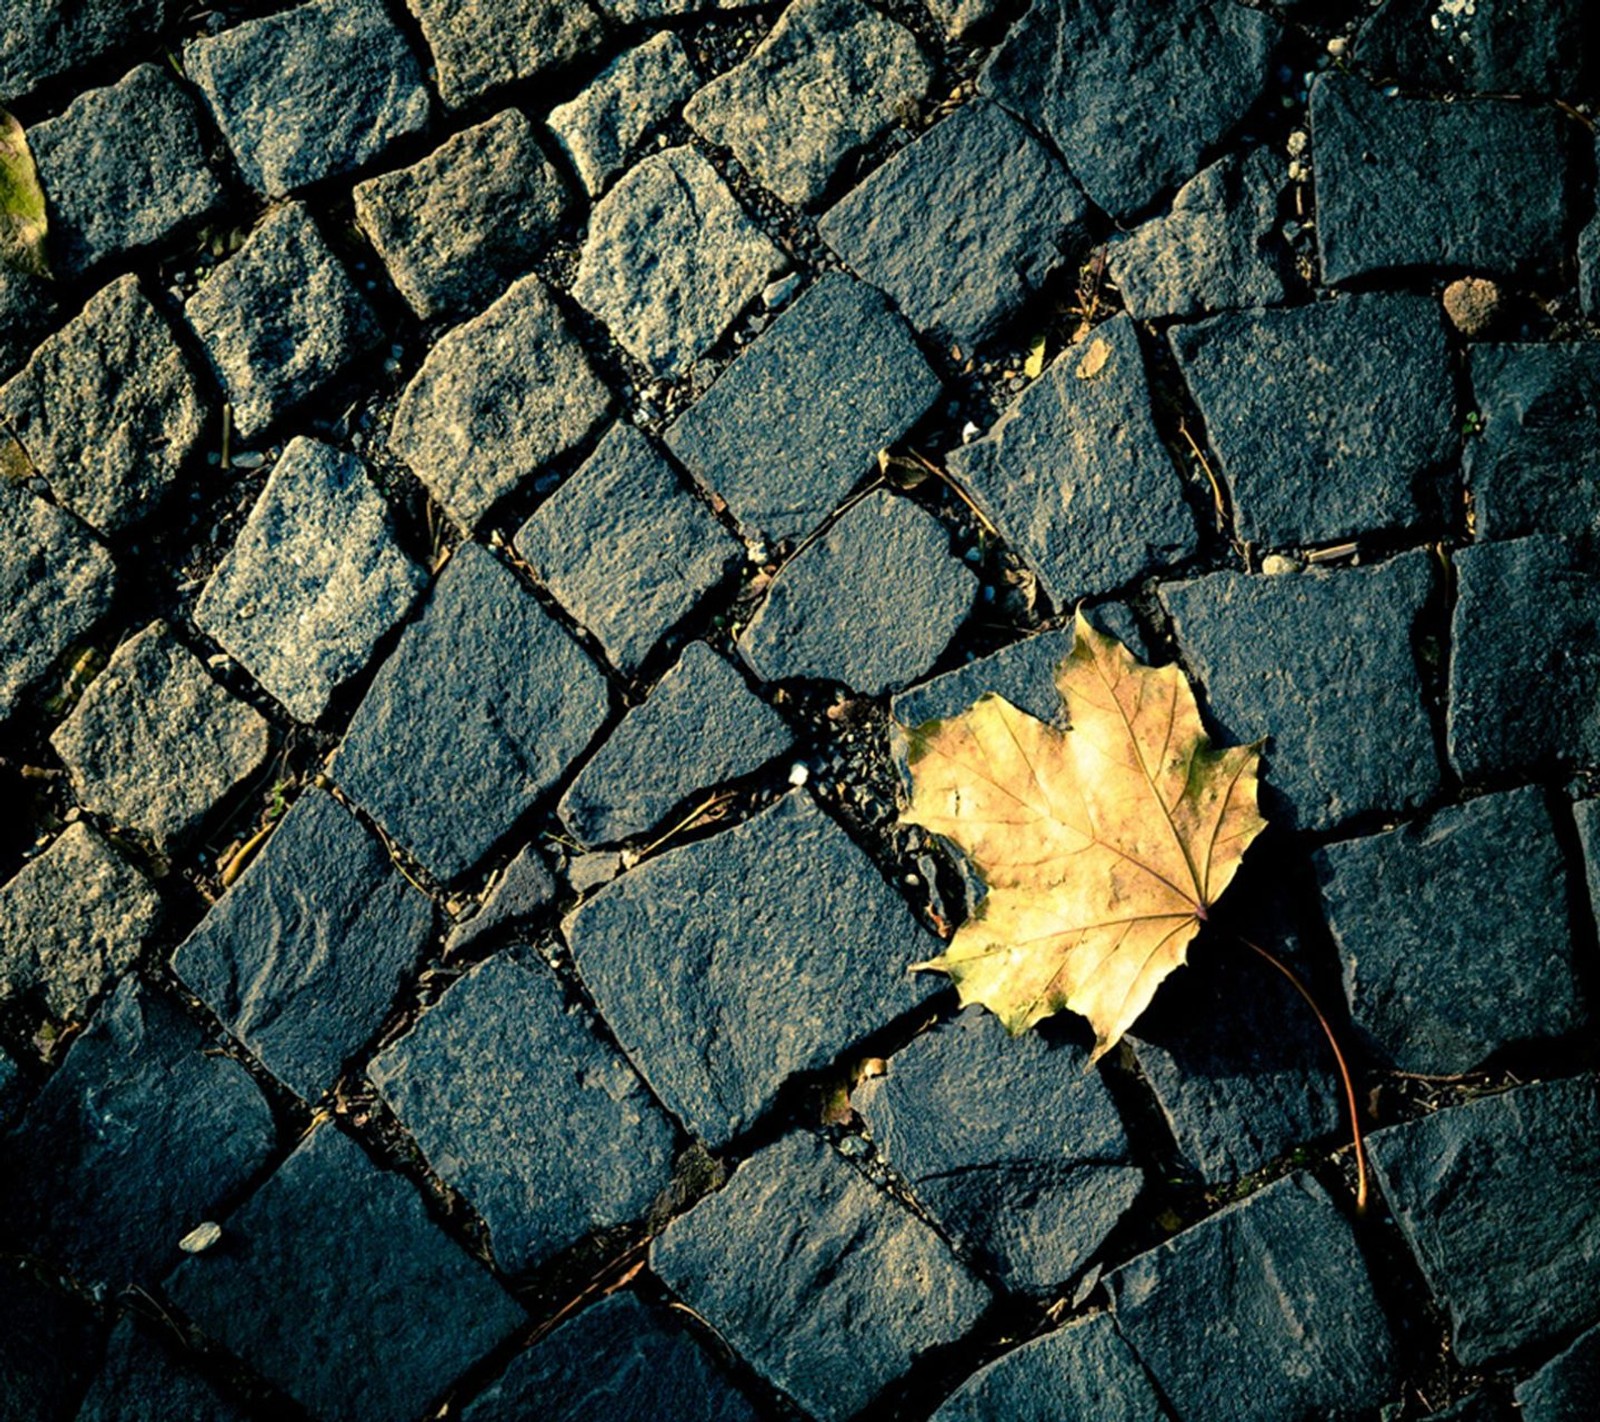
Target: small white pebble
969,432
1297,142
1338,45
1275,565
250,459
798,773
201,1238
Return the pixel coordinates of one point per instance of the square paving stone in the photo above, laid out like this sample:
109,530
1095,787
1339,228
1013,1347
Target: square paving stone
479,711
41,40
963,227
155,744
496,399
313,580
1327,420
334,1284
515,1101
135,1140
1114,85
619,1361
523,891
1533,464
143,1379
1478,184
796,421
1566,1387
108,409
1012,1145
123,168
830,78
1524,658
1263,1312
1216,250
311,92
626,548
1322,665
1024,673
1074,473
281,319
602,127
302,958
1452,947
457,228
700,728
1076,1374
490,43
72,920
825,1285
871,603
56,585
1499,1200
728,965
671,259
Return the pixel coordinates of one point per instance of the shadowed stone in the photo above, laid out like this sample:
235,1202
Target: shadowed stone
27,309
145,1379
1567,1386
485,44
47,1347
42,39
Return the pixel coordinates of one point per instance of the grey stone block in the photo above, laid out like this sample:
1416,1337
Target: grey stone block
122,169
448,763
1216,250
543,1127
871,603
1079,1373
347,1252
626,548
27,310
47,1346
1566,1387
1327,420
1319,663
480,45
1532,465
1452,948
302,958
1024,673
961,18
496,399
1116,87
1524,658
281,319
1478,184
108,410
790,1263
963,227
671,259
155,744
701,727
42,40
72,920
524,890
795,422
313,580
142,1379
310,93
1075,475
830,77
457,228
56,585
136,1139
728,965
602,127
1012,1145
618,1360
1301,1332
1499,1200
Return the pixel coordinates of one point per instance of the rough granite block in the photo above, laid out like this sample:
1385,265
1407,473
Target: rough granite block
310,93
139,1136
155,744
313,580
626,548
796,421
511,1097
447,764
1074,473
143,1378
728,965
47,1347
495,400
1369,385
42,39
481,45
397,1310
27,310
1567,1386
1499,1200
789,1262
302,958
524,889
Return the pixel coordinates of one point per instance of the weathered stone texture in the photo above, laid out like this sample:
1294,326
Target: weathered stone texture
42,39
144,1379
481,45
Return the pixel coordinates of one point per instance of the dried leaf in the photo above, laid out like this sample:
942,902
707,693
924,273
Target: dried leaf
22,215
1103,846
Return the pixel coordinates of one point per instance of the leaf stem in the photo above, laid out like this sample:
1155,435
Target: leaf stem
1338,1056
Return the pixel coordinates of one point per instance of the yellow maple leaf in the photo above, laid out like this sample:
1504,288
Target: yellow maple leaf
1103,846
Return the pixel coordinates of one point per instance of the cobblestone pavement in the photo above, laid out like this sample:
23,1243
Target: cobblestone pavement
480,486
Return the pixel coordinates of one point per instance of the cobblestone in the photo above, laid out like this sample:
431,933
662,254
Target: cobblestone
143,1380
1567,1386
483,45
42,42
